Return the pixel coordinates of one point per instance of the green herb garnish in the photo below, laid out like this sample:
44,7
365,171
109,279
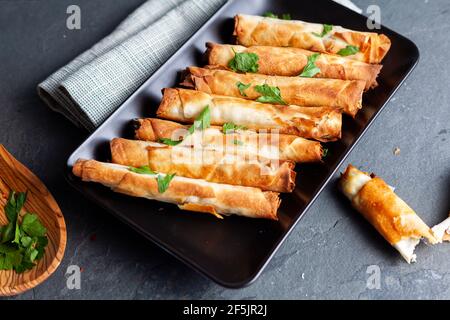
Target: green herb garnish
164,181
242,87
141,170
238,142
326,29
203,121
244,62
170,142
269,94
311,69
348,51
284,16
324,153
10,232
231,127
269,14
23,241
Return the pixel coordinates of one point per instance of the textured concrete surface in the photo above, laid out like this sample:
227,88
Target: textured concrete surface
328,253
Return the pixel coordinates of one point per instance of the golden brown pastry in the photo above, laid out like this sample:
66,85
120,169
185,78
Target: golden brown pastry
290,62
323,124
308,92
262,31
264,145
188,194
210,165
389,214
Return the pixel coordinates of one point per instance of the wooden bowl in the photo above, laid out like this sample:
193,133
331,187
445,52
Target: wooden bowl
15,176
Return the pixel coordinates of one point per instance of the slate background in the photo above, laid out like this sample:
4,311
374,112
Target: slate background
328,253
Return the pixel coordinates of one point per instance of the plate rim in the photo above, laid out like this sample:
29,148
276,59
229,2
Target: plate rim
415,57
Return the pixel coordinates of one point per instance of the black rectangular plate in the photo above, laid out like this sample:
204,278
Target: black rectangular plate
234,251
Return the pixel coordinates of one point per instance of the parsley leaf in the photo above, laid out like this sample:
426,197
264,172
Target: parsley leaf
163,182
230,127
141,170
26,241
269,14
203,120
324,153
33,254
8,232
269,94
326,29
348,51
41,243
242,87
244,62
12,210
4,248
32,226
17,234
22,242
284,16
311,69
10,258
169,142
238,142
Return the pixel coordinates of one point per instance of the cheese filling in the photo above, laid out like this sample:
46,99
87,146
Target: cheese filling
406,248
440,229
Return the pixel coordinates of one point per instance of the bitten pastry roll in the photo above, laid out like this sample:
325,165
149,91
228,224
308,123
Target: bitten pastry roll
323,124
210,165
264,145
189,194
262,31
389,214
291,62
308,92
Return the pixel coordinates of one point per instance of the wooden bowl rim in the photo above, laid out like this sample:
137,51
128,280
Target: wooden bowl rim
57,258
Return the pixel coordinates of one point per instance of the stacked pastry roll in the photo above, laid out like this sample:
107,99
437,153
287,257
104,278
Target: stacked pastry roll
228,139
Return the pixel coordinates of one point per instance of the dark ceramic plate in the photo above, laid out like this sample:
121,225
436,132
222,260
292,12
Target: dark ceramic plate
234,251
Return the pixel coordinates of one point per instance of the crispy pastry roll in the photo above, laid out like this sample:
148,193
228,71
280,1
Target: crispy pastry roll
265,145
210,165
309,92
189,194
262,31
389,214
323,124
290,62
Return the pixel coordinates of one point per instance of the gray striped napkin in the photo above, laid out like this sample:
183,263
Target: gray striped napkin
95,83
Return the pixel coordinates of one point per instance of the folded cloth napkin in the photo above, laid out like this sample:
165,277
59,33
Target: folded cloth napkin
95,83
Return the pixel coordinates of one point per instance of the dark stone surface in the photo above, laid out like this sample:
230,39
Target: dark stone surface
327,254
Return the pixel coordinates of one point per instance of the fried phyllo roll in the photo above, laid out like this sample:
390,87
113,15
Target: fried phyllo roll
261,31
189,194
345,95
323,124
291,62
389,214
266,145
210,165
